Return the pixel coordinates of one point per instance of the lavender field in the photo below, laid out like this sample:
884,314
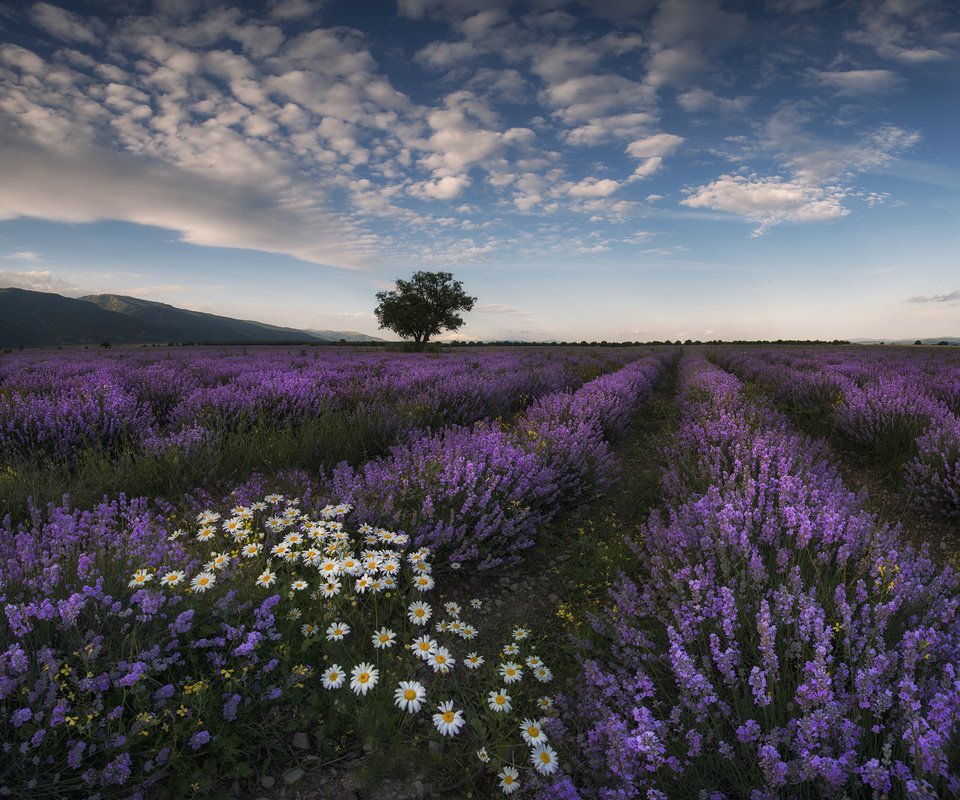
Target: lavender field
550,572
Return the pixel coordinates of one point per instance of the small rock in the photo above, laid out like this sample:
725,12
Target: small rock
553,598
267,781
301,740
434,746
367,747
292,775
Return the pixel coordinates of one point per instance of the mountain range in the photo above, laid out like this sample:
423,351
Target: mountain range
44,319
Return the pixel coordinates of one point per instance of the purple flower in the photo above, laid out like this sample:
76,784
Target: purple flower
199,739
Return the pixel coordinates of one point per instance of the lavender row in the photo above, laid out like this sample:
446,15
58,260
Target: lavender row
482,493
901,408
773,639
89,666
52,406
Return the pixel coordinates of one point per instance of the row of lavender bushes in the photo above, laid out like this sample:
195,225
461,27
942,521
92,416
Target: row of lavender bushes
772,639
54,405
482,493
108,689
903,409
87,424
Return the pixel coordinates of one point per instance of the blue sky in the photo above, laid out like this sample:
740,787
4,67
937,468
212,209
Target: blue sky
614,169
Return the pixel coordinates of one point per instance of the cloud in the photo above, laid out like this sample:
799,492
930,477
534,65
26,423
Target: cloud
914,32
445,188
700,100
593,187
92,185
24,255
63,24
37,281
651,152
768,201
949,297
858,82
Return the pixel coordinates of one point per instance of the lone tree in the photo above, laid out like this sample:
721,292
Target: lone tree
423,306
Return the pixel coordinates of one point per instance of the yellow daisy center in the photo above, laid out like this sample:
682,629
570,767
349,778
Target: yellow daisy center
441,659
534,732
448,716
409,694
508,780
501,700
364,677
334,675
544,757
384,637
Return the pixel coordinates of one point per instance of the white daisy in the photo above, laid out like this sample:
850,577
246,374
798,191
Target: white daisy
410,696
441,660
337,631
545,702
363,678
544,758
423,646
519,634
219,560
308,629
266,578
468,632
330,589
511,672
532,731
299,585
509,780
173,578
510,649
334,677
543,674
251,550
206,533
499,701
383,638
452,609
473,661
423,583
140,578
203,581
447,720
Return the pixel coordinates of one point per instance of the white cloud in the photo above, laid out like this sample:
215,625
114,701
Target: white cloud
949,297
768,201
446,188
660,144
651,151
914,32
91,185
702,100
24,255
858,82
37,281
604,129
593,187
64,24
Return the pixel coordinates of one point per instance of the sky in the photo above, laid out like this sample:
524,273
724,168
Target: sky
605,169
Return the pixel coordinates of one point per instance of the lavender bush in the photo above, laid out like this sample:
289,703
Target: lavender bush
773,639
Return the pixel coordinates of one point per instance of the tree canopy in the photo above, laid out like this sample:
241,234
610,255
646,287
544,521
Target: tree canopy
423,306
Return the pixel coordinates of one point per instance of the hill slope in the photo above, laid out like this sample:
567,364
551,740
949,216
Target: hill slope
37,319
44,319
196,326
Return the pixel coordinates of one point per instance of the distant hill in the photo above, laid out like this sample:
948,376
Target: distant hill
43,319
347,336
